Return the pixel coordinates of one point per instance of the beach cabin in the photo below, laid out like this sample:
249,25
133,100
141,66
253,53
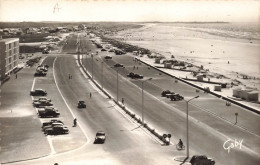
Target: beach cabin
252,96
157,60
168,65
244,93
237,92
200,77
217,88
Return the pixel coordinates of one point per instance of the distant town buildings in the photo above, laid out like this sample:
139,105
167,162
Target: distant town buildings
9,51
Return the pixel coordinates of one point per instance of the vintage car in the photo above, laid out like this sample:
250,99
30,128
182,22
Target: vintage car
135,75
48,112
42,103
118,65
40,73
108,57
166,92
201,160
42,99
41,68
176,97
81,104
57,130
100,137
51,126
51,121
38,92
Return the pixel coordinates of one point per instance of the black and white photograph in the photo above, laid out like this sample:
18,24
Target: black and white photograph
129,82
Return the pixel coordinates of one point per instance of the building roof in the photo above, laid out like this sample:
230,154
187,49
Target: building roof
8,40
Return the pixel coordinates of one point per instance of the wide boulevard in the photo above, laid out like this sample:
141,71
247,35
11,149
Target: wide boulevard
212,127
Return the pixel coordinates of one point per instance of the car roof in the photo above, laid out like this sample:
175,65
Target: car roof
39,90
101,132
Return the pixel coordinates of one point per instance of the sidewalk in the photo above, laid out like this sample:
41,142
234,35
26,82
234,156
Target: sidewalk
20,136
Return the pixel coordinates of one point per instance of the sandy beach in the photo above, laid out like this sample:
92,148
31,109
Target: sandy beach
221,51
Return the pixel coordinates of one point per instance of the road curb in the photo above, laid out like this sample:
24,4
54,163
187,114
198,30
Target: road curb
127,111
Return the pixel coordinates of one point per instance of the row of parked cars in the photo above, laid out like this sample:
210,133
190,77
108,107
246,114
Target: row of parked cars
131,74
45,109
41,70
173,96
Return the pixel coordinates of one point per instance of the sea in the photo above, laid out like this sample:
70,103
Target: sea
229,49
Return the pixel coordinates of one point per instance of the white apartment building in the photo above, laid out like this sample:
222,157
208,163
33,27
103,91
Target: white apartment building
9,52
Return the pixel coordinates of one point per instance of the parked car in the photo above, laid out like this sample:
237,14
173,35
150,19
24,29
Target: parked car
164,93
118,65
42,99
44,65
57,130
108,57
51,121
134,75
81,104
40,73
51,126
42,103
45,51
201,160
38,92
100,137
48,112
176,97
103,49
41,69
119,52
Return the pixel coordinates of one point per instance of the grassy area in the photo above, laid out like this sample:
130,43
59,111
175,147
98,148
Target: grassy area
30,49
28,37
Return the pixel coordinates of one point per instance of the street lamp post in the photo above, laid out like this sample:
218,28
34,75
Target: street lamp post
187,103
92,65
102,73
143,99
117,85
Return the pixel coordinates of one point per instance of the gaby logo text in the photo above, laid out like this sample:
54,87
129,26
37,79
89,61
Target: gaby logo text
229,144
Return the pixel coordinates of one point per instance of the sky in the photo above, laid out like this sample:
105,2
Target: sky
130,10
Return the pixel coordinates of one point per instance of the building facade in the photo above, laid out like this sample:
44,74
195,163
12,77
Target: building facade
9,52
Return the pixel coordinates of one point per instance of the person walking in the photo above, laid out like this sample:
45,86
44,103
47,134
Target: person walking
15,76
90,95
75,122
123,101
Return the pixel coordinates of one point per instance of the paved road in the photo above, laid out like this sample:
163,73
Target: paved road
207,132
126,142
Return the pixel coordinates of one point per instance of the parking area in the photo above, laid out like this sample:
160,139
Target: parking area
20,137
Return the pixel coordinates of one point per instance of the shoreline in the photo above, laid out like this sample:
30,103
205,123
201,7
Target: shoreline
211,57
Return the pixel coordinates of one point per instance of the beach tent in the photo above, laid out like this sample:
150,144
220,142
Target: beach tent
200,77
217,88
237,92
